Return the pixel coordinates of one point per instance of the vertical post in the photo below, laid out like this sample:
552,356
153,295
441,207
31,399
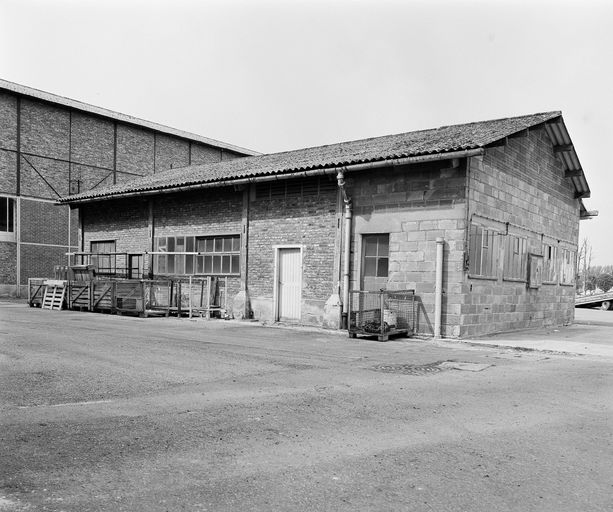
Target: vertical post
17,222
190,295
438,288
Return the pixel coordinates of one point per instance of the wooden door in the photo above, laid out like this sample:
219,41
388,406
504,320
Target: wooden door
289,286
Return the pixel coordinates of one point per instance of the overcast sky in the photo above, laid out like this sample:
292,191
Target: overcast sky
273,75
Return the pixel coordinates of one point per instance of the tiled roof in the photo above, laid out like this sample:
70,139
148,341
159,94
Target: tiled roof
124,118
441,140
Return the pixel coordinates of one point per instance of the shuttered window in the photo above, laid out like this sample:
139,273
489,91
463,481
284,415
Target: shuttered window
550,263
483,252
567,266
515,258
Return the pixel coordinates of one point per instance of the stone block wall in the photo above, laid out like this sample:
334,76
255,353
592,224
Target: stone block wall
415,205
520,189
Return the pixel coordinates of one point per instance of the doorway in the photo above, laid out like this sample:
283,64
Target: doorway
289,284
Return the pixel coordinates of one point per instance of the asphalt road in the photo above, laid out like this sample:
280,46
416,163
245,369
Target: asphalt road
100,412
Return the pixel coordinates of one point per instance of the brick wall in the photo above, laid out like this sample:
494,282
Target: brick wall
125,221
297,219
60,144
8,143
522,184
134,151
8,172
170,152
44,223
40,260
8,262
92,140
415,205
202,154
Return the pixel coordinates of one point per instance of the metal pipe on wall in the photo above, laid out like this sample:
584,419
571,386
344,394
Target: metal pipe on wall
346,247
438,287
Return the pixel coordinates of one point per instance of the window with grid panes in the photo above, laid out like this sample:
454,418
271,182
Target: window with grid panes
376,255
102,259
483,252
217,255
375,261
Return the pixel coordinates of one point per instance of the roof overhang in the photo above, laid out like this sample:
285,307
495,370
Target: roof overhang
323,170
565,150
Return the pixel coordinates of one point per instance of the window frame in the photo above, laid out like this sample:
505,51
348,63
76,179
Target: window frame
550,263
109,267
8,218
379,257
492,236
215,249
515,266
568,266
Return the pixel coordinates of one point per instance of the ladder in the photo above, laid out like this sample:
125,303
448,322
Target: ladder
54,295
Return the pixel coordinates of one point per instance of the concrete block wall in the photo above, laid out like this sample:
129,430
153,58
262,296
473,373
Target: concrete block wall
306,221
523,184
416,205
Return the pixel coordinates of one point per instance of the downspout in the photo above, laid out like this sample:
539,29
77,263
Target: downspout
346,248
438,288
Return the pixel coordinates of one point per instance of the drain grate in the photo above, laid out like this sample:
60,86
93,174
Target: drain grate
412,369
429,368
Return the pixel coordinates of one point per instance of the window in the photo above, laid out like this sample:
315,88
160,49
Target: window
375,261
295,188
217,255
376,255
550,267
104,262
483,252
7,218
567,266
515,258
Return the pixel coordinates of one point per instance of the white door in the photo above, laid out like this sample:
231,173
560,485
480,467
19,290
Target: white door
289,285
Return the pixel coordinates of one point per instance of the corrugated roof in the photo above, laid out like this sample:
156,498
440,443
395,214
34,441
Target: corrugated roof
92,109
438,141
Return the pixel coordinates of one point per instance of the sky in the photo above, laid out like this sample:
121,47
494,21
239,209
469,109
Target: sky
279,75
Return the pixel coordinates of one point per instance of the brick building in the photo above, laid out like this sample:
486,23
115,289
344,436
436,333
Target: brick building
52,146
294,231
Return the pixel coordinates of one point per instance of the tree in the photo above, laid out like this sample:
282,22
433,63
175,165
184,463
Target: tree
584,262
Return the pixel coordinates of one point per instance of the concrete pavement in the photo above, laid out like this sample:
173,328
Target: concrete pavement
591,334
107,413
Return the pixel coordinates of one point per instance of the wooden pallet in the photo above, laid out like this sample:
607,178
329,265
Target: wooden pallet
54,295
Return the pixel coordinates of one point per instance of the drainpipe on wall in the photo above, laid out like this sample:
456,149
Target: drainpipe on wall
346,248
438,288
